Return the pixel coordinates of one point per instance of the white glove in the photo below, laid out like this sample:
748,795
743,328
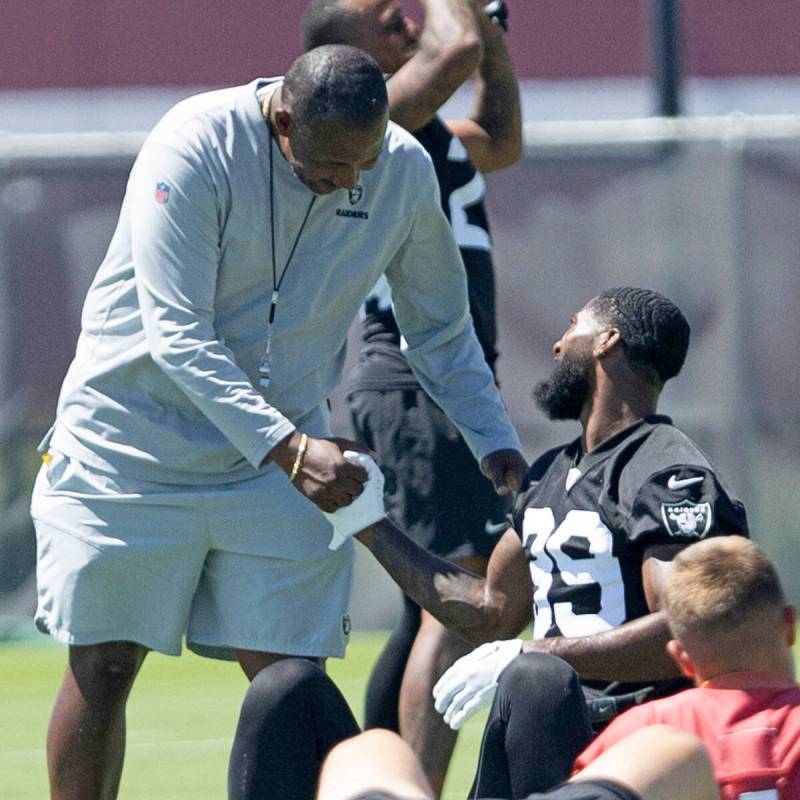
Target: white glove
471,682
365,509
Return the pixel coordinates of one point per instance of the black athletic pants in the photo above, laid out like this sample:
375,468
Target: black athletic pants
292,716
537,726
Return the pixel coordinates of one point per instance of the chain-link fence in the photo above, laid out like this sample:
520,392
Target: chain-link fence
705,210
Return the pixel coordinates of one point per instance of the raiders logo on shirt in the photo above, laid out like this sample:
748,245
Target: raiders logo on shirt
687,518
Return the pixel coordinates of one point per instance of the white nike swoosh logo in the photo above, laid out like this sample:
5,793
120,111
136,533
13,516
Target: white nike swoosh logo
675,483
495,528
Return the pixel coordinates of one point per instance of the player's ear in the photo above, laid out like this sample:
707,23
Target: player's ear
681,658
606,342
283,121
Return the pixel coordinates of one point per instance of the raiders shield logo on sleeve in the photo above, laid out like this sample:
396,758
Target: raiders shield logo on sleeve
687,518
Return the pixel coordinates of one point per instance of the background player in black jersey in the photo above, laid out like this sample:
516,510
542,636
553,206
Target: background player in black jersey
595,527
436,491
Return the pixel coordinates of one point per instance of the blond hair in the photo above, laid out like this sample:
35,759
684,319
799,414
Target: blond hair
718,586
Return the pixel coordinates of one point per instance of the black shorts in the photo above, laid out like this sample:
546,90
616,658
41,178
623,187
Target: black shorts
583,790
435,490
587,790
377,794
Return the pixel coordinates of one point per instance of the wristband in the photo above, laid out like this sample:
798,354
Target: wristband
298,459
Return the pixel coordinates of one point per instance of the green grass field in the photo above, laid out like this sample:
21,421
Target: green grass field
181,719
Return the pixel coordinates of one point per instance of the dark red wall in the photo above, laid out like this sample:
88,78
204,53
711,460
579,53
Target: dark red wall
90,43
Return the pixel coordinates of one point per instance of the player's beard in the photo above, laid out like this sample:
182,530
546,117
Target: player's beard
564,393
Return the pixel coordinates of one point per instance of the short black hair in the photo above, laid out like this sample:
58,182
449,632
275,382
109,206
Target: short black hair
655,334
336,83
326,22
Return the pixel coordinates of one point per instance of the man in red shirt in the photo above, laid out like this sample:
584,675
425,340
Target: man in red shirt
733,635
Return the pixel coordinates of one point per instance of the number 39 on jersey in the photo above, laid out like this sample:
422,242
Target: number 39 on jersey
578,587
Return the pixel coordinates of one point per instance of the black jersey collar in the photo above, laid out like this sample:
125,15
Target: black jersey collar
583,460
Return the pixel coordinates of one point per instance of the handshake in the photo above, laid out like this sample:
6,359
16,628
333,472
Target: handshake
470,683
365,510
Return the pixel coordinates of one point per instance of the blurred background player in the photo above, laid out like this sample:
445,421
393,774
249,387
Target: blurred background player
595,528
435,489
734,634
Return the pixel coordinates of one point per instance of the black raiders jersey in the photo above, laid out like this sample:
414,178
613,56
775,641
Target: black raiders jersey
462,190
586,519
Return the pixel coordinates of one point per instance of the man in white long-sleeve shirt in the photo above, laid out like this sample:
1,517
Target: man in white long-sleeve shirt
191,452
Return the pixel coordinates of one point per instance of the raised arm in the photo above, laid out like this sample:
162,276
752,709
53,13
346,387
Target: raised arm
493,133
449,52
479,609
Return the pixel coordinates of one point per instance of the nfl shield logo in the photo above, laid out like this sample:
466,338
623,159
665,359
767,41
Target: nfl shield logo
687,518
356,193
162,193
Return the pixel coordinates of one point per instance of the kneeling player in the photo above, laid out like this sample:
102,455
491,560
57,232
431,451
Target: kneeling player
595,528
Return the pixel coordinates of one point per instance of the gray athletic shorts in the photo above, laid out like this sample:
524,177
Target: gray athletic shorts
243,565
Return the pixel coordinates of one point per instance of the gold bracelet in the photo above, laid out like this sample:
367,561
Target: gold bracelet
298,459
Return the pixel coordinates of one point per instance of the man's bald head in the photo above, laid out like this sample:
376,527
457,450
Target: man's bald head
330,116
335,84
